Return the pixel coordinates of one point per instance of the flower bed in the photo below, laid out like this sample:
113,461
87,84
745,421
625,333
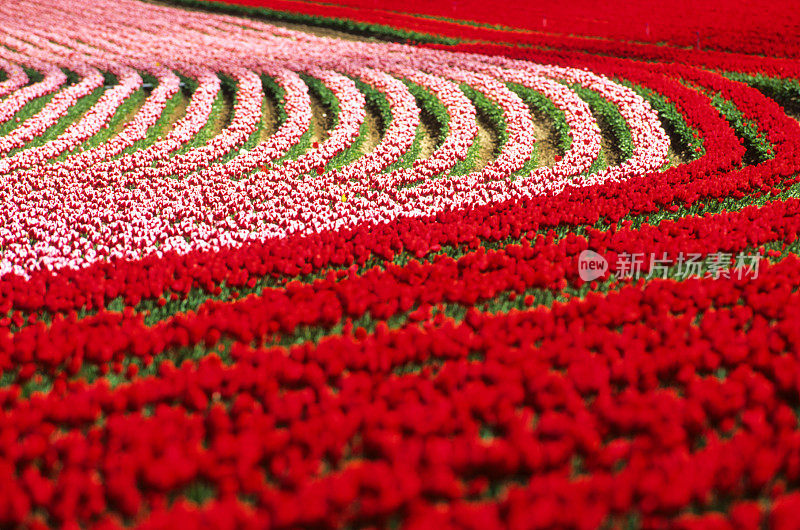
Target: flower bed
234,292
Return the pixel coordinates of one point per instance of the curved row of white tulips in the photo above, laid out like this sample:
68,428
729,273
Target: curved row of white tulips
106,202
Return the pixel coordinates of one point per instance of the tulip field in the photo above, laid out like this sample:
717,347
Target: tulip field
302,264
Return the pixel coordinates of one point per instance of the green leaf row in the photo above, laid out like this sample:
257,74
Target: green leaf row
121,115
684,139
784,91
377,103
209,129
162,124
758,148
430,106
607,115
542,105
491,112
363,29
